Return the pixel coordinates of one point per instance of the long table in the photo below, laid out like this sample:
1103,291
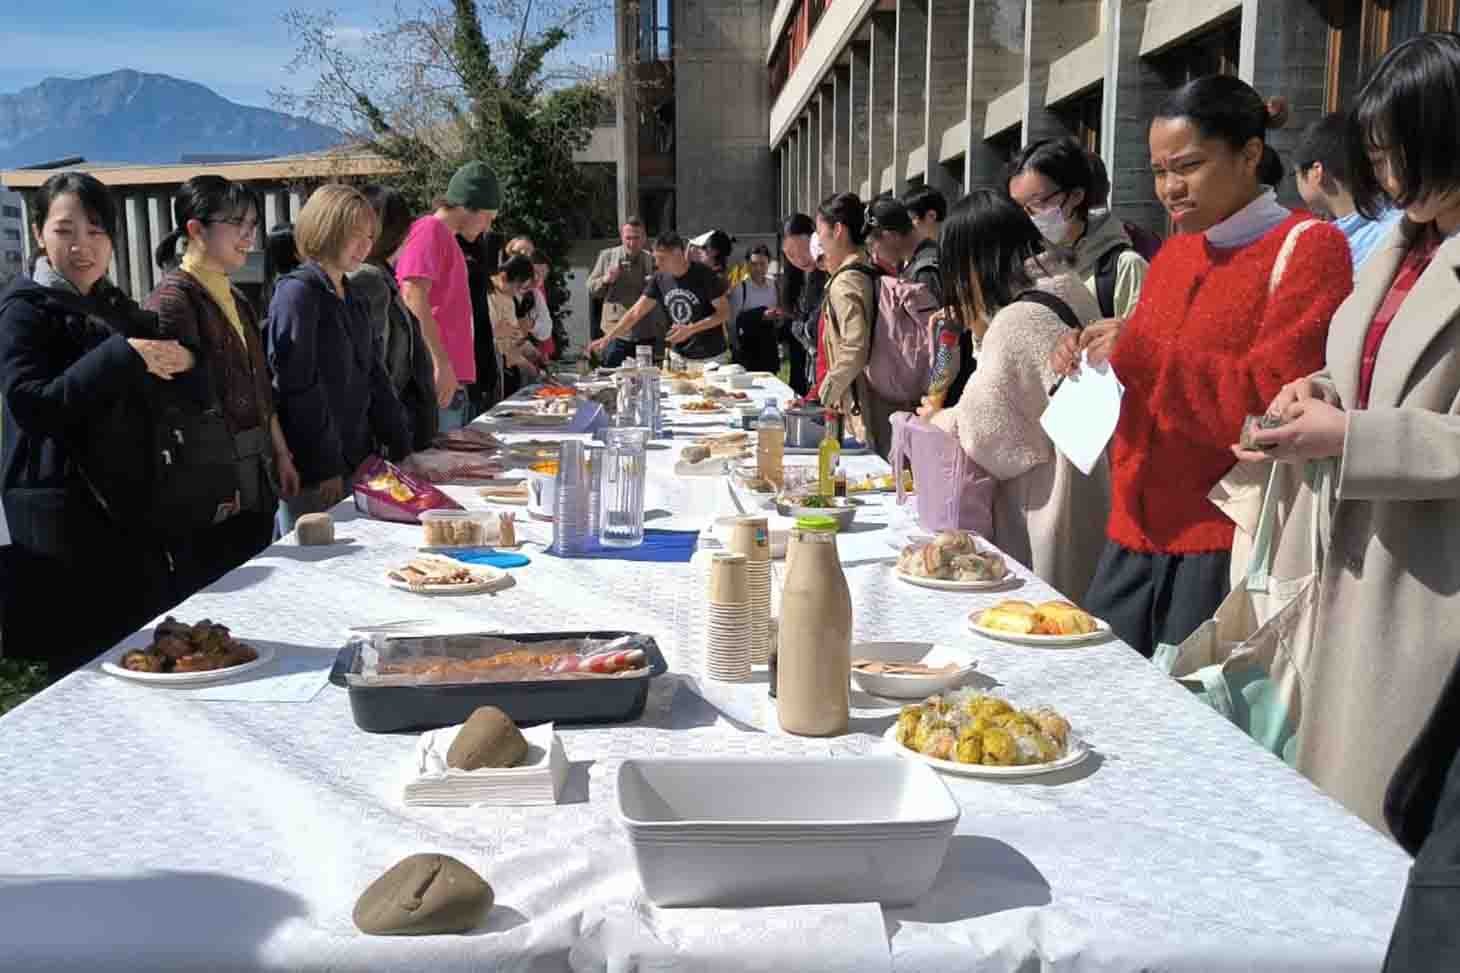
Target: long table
155,829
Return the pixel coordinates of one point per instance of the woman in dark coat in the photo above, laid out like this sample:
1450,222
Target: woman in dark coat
75,355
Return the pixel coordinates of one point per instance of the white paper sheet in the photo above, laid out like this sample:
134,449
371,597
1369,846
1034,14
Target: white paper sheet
1082,415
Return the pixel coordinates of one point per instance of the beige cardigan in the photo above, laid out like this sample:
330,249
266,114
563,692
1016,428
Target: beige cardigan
1047,514
1388,626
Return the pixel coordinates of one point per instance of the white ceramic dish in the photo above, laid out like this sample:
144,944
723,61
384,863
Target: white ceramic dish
1008,581
1077,752
905,686
488,579
112,665
1101,634
785,831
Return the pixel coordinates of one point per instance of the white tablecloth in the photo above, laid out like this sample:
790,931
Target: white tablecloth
150,829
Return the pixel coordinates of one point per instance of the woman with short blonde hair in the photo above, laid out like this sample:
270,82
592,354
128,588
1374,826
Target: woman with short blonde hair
335,400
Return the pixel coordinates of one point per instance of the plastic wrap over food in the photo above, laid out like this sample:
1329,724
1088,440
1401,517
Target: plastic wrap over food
444,466
387,660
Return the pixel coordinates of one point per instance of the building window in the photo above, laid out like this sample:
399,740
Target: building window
1360,32
1082,117
10,212
656,31
11,233
1215,51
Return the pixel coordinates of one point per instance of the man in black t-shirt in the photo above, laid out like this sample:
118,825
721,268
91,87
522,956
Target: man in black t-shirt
693,297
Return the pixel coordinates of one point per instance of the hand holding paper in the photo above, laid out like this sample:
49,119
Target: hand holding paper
1083,412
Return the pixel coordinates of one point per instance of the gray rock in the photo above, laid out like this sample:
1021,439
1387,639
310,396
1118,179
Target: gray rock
424,895
488,739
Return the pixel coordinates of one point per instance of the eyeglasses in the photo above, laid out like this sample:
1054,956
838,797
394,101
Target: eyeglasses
1036,206
244,227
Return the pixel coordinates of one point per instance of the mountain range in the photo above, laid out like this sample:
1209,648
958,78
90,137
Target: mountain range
134,117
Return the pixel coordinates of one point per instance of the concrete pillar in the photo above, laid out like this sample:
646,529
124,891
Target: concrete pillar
882,102
947,84
120,271
276,208
159,224
1052,28
826,145
1133,93
842,155
1284,53
995,66
27,235
813,162
296,203
808,158
858,141
793,181
626,49
138,245
910,122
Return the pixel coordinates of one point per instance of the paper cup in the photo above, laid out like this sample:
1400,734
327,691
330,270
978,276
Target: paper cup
751,536
729,583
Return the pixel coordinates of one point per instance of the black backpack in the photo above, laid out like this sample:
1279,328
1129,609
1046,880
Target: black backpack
163,460
1105,269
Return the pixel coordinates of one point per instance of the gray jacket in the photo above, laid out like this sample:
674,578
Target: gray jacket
621,294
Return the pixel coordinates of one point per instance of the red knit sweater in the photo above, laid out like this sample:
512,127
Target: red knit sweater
1206,346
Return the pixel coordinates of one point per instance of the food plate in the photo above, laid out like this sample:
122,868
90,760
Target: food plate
1101,633
489,579
942,584
112,665
1077,752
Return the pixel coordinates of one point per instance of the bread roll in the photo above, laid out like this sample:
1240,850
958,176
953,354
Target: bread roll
315,529
1063,618
1018,617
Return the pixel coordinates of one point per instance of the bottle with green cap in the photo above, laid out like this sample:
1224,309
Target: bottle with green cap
814,655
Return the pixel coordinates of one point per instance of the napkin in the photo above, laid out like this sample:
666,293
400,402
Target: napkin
538,780
1082,415
488,556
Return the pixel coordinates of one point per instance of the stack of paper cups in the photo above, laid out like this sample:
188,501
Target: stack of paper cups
750,536
727,651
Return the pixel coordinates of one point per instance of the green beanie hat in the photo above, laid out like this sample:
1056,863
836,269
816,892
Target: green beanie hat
475,187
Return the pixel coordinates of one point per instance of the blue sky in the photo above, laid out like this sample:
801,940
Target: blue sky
239,49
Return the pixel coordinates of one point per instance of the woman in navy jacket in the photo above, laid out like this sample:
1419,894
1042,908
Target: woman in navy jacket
335,400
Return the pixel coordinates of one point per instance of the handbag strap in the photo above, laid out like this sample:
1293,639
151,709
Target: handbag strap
1280,265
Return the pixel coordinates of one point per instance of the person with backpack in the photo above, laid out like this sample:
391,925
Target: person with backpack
854,317
217,223
805,283
335,400
1018,300
1237,305
1055,183
406,355
76,357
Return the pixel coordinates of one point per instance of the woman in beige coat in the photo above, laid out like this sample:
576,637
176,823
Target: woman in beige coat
1019,304
1387,406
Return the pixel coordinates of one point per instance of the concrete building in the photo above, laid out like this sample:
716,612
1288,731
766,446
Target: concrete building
12,236
874,95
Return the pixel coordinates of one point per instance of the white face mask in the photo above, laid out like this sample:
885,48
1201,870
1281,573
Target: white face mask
1052,224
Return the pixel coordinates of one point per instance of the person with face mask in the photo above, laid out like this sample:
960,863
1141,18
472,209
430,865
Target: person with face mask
1055,183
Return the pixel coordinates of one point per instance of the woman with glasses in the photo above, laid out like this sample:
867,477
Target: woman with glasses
1237,305
217,225
1056,184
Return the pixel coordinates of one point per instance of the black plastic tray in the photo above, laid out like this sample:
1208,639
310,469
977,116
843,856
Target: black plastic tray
392,709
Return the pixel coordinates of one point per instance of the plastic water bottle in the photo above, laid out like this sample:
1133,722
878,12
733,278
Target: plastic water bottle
770,444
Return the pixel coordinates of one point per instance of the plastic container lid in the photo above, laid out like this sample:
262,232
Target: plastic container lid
456,515
816,523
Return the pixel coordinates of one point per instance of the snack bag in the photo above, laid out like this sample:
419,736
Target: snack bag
386,492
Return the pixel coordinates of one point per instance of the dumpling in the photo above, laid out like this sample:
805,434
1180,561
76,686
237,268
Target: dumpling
999,748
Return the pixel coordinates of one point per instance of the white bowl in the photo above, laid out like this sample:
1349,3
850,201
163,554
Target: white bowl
785,831
907,686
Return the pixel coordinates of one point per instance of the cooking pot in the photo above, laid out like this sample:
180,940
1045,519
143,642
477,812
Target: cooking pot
805,427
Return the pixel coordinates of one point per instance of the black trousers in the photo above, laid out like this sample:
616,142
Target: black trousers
223,547
1155,599
796,351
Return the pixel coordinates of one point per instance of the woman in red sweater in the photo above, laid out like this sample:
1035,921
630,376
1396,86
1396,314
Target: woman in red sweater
1220,328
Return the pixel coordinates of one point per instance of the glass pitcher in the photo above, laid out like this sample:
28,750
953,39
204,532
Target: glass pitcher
621,487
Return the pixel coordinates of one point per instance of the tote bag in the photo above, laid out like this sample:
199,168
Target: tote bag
1247,661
